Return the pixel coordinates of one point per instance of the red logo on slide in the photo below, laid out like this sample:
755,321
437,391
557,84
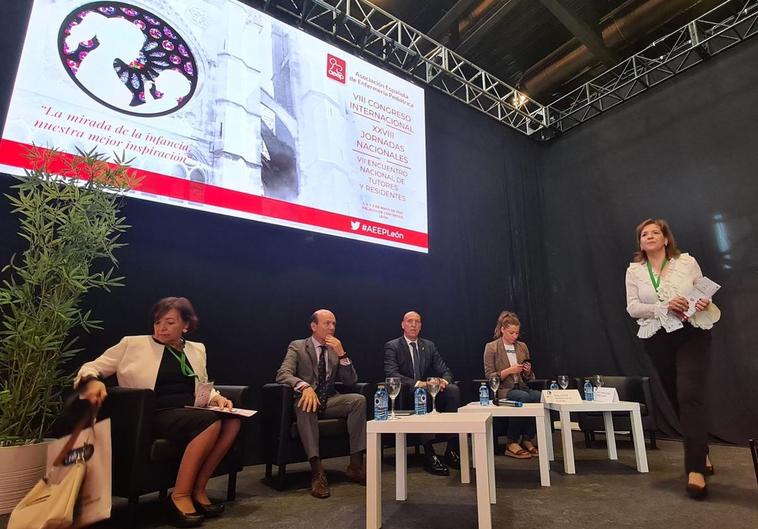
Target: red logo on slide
336,68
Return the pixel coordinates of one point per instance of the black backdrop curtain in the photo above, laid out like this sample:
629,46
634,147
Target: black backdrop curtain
542,230
686,152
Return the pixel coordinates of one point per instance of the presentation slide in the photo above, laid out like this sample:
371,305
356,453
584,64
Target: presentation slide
225,109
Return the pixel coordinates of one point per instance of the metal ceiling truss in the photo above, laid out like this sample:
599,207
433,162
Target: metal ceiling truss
375,32
719,29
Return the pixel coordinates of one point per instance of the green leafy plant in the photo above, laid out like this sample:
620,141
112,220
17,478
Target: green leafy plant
69,213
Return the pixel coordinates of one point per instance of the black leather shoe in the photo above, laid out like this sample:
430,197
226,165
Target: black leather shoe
433,465
209,510
696,492
453,459
182,519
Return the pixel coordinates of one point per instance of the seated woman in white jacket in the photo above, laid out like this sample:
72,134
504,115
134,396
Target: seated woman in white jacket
173,367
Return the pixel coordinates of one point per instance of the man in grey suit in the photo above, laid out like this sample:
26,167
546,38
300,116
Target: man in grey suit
413,359
312,366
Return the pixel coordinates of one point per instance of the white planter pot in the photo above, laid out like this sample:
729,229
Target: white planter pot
20,468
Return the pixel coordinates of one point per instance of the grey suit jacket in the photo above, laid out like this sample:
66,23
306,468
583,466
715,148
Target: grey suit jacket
300,364
496,359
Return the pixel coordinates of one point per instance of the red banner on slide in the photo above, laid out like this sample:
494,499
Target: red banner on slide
14,154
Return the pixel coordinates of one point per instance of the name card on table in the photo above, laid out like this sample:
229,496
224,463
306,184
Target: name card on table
606,395
560,396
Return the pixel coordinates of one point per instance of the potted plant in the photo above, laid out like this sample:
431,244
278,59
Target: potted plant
69,215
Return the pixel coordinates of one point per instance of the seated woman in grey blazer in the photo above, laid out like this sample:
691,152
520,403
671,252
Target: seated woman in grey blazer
507,358
174,368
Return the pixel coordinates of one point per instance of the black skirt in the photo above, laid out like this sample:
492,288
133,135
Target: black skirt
173,391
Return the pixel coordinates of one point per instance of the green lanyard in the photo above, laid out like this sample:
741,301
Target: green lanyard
656,281
184,365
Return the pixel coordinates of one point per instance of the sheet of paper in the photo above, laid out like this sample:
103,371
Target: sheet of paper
671,323
606,395
203,392
560,396
242,412
703,288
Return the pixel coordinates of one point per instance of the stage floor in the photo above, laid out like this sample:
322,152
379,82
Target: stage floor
601,493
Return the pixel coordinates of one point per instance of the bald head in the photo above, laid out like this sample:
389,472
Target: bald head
411,325
323,324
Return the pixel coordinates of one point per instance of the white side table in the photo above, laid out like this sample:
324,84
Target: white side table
544,441
478,425
607,408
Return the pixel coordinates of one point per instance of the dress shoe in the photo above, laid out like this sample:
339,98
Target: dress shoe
319,486
356,474
182,519
453,459
209,510
696,492
709,470
433,465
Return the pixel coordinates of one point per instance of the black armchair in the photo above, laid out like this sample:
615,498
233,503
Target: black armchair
280,440
632,389
143,464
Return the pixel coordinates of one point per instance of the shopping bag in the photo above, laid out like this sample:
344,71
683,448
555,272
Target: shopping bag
51,502
76,490
94,501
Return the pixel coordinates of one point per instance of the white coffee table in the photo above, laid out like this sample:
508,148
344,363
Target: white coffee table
607,408
477,425
544,441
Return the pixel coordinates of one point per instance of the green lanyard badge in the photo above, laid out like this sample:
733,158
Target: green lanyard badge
184,365
656,281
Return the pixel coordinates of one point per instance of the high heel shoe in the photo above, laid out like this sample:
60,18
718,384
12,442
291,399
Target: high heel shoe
184,519
709,467
696,492
694,489
210,510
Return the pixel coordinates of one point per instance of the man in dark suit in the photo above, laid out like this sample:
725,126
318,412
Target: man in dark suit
413,359
312,366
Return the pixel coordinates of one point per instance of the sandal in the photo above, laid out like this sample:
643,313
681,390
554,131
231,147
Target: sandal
531,449
520,454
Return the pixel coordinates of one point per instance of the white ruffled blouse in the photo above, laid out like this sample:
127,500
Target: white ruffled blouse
651,307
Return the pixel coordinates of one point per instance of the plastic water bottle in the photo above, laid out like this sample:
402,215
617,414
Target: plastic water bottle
381,404
553,385
419,397
589,391
484,395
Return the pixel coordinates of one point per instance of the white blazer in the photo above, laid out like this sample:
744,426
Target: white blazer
135,361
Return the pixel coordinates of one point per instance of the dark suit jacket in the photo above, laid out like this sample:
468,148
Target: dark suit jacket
398,363
301,364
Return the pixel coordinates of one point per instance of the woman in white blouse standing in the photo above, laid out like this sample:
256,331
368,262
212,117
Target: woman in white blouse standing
676,339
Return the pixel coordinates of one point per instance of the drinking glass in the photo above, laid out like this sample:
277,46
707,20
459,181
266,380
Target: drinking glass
494,382
433,386
597,381
563,381
393,388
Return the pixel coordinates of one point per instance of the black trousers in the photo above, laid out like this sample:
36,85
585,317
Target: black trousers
681,359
